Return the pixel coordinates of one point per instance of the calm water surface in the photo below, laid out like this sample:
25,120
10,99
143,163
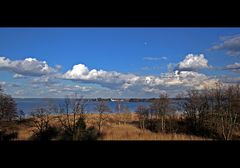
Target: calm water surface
28,105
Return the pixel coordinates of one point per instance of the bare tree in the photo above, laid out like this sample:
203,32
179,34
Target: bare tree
196,109
41,120
228,109
102,108
122,111
213,112
142,113
161,107
8,112
8,109
72,116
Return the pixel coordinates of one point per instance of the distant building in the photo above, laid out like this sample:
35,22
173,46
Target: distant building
113,100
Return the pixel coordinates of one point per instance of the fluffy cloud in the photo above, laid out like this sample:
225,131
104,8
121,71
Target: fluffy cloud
147,84
231,45
46,81
192,63
234,67
109,79
27,67
171,81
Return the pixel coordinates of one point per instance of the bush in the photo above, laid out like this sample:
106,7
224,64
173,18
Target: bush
8,110
90,134
48,134
5,136
80,124
152,125
80,132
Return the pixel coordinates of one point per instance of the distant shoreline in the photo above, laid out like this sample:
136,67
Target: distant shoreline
107,99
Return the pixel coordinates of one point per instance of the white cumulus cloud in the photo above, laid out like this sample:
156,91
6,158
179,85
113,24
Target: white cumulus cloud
193,62
110,79
47,79
26,67
127,83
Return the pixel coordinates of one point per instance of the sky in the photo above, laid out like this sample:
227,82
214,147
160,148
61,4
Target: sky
116,62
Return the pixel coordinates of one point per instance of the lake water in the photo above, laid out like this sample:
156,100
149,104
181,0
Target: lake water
28,105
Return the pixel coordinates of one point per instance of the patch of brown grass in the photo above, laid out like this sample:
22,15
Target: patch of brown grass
130,132
113,129
25,133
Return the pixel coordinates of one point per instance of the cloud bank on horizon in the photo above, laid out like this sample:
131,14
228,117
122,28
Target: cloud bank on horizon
157,66
185,76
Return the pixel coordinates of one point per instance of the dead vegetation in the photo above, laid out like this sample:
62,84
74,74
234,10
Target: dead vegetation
207,114
112,130
130,132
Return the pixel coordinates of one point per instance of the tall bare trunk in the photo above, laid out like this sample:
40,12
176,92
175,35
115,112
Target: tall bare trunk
162,123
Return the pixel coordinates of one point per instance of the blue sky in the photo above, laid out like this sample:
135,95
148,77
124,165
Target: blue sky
138,52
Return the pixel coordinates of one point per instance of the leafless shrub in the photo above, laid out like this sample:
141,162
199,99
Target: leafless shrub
101,108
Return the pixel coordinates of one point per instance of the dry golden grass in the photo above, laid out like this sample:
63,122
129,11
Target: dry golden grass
114,129
130,132
25,133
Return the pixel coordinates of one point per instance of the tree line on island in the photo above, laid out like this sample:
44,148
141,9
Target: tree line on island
211,113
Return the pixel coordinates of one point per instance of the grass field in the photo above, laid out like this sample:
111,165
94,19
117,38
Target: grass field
116,127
